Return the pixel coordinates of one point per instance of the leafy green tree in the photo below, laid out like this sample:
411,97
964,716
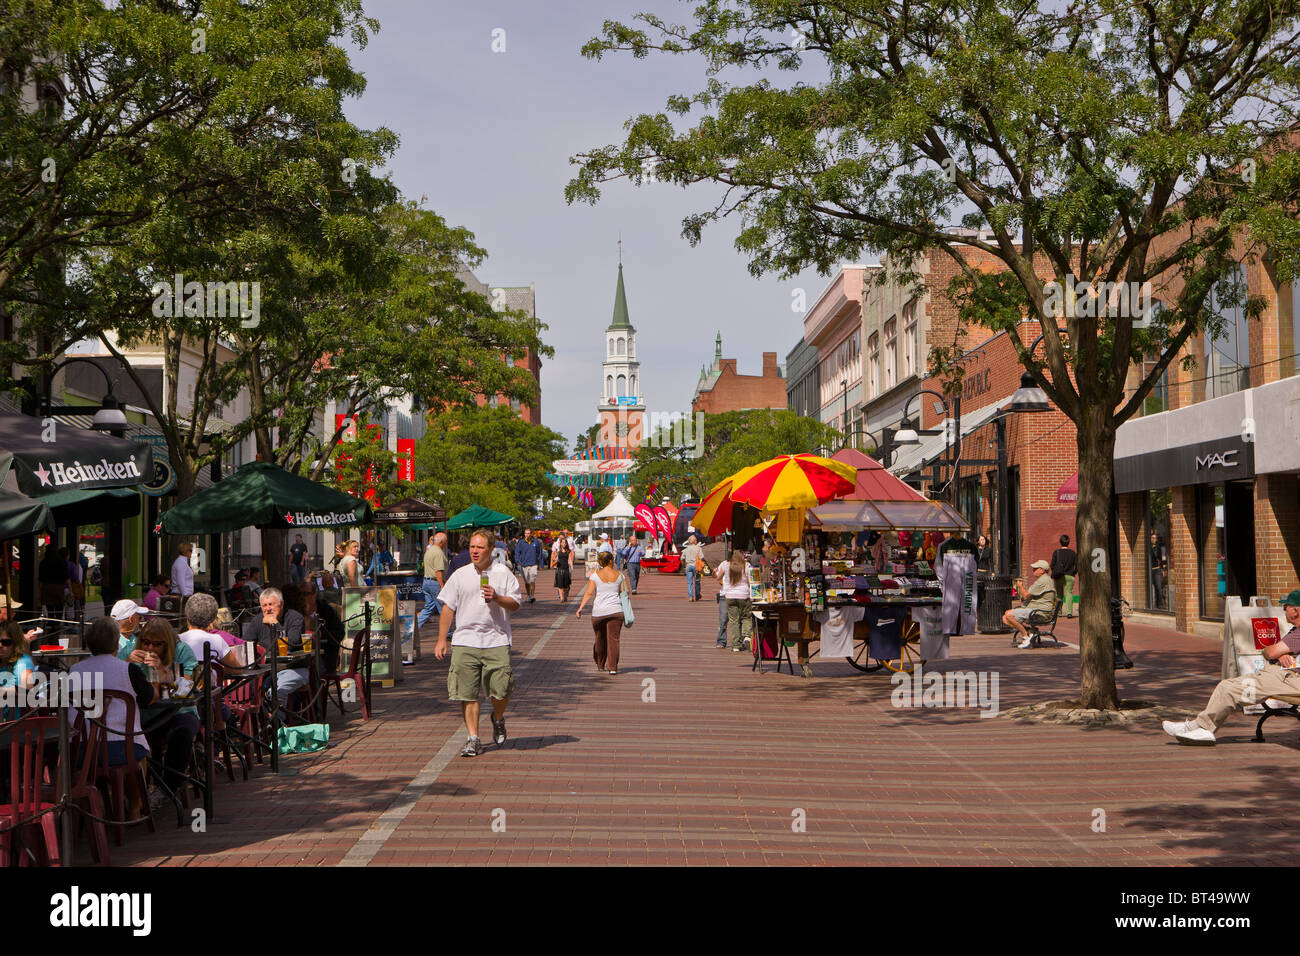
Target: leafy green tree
486,456
1120,142
732,441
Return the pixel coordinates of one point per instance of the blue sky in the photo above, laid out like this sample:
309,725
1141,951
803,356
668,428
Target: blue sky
487,137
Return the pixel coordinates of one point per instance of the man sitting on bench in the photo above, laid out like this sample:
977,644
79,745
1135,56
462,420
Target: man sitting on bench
1274,680
1040,597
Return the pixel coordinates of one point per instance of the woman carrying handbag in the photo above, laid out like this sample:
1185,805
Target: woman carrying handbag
610,610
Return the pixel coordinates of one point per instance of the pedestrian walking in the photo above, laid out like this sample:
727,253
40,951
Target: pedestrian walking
634,555
734,576
1064,568
604,589
722,616
182,573
435,576
350,566
479,598
298,561
561,558
691,556
528,558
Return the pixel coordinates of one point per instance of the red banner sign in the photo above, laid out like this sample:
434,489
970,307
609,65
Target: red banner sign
406,459
665,525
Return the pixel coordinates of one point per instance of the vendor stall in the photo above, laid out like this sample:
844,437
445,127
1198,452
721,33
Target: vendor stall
858,576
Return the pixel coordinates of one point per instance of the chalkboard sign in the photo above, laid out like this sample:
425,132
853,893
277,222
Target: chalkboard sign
384,623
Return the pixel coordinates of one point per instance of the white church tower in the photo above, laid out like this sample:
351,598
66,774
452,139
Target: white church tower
620,408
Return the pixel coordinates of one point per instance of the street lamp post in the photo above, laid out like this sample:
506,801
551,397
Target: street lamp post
908,434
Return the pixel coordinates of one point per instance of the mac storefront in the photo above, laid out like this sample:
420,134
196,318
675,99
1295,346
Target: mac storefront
1205,511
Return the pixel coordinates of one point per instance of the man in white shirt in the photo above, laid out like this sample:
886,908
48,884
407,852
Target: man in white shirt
479,597
182,573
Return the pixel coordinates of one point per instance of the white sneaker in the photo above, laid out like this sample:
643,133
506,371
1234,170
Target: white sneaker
1025,643
1197,736
1175,727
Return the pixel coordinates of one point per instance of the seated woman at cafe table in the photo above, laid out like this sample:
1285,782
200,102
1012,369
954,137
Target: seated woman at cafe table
276,623
1276,678
101,639
162,584
171,732
15,659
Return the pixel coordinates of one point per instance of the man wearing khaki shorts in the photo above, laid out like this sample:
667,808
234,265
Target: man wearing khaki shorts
479,597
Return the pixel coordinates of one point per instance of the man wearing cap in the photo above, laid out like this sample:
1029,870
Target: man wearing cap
1276,678
1041,596
127,615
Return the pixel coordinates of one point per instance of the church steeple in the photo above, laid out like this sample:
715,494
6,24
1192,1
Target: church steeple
621,320
717,352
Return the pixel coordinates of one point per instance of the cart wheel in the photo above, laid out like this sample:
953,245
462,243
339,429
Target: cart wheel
861,661
909,651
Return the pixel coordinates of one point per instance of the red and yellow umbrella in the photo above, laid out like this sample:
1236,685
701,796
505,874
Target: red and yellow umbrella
713,517
792,481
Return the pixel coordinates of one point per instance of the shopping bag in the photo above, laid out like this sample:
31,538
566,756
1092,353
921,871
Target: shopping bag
304,739
628,616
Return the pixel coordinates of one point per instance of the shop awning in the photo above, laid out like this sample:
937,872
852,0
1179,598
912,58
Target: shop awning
49,457
20,515
90,506
886,516
1069,492
874,483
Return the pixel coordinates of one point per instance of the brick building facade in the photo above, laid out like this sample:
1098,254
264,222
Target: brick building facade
1208,477
723,389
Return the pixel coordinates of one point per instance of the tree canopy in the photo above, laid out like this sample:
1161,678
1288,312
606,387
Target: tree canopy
1117,142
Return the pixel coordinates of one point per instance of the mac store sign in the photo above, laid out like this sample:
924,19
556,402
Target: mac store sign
1203,463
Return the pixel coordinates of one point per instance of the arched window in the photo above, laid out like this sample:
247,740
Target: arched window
609,385
622,385
622,347
631,385
611,346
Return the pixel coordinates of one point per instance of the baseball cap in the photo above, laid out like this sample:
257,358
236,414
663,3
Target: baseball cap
1041,564
1292,599
125,608
604,536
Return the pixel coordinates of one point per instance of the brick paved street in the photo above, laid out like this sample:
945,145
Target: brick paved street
712,771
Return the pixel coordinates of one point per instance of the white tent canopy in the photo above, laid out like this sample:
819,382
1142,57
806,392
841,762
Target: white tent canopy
620,507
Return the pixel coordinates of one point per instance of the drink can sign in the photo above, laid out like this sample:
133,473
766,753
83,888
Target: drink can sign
1266,631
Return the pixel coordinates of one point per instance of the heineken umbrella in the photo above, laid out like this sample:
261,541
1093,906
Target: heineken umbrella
266,496
410,511
49,456
476,516
20,515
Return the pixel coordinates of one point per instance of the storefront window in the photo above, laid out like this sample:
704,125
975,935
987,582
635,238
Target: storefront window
1227,355
1226,518
970,501
1158,568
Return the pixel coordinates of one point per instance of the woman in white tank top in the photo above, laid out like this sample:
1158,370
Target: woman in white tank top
606,612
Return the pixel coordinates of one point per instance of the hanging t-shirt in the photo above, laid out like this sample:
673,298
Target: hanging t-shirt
957,582
886,638
837,629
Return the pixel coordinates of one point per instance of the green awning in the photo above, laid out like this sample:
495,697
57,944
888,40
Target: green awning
476,516
264,495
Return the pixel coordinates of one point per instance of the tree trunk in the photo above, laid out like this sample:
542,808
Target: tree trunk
1096,445
275,556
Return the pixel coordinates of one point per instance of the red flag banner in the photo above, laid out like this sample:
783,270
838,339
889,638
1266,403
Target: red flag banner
664,524
406,459
645,514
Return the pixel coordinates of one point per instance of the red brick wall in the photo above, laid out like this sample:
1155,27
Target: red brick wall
733,392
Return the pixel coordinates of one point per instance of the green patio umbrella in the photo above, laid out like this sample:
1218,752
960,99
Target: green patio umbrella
20,515
264,495
476,516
